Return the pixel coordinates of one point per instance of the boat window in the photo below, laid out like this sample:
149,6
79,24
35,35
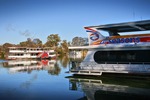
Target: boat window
126,56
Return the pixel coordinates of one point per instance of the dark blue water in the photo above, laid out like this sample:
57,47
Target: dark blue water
40,84
38,80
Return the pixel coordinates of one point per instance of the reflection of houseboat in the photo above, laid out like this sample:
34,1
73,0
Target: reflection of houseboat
117,53
26,52
26,65
110,89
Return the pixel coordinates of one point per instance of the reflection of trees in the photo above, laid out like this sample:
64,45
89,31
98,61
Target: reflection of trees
29,71
64,61
55,70
5,64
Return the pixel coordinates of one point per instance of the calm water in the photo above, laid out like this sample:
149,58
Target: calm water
47,80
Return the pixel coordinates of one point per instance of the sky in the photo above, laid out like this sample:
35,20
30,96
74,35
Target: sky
22,19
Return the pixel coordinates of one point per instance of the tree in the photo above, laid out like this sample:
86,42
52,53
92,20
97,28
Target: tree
29,43
52,40
5,49
23,44
64,46
55,70
69,43
58,50
5,45
79,41
37,42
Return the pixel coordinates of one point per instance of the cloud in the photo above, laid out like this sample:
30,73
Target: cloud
26,33
10,28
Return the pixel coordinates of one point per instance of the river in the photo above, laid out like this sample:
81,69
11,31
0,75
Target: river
48,80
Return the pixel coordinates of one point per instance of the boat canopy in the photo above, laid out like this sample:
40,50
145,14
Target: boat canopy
114,29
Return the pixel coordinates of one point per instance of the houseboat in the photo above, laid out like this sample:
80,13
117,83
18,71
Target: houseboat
33,53
117,53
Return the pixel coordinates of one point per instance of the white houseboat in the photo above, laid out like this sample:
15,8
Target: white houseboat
26,52
117,53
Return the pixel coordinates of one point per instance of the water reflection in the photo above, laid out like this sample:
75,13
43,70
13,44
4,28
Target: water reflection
29,82
15,66
107,88
53,66
46,80
110,87
64,60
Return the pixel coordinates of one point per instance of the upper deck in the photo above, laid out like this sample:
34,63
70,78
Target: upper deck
115,29
28,50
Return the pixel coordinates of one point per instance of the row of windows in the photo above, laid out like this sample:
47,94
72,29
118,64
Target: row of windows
36,49
15,54
122,56
21,54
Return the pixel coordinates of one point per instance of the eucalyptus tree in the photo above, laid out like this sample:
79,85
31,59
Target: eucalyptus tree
64,46
79,41
53,40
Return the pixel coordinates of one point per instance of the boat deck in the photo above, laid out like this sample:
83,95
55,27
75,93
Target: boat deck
92,68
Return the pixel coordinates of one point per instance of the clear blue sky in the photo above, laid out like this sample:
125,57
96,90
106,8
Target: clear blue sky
22,19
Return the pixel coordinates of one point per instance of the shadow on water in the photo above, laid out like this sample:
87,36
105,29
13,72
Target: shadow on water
111,87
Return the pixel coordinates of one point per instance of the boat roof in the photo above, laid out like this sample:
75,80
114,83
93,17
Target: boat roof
143,25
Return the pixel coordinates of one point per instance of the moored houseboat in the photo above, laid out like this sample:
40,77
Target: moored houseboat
30,53
117,53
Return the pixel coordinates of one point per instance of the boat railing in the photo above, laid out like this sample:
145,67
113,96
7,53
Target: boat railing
112,66
30,50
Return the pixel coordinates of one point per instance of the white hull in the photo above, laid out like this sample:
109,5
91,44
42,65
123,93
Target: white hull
89,67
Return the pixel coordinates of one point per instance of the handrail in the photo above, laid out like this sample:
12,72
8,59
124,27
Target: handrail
117,67
116,62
